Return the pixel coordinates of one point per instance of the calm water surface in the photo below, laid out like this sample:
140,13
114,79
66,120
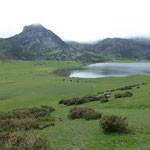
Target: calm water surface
100,70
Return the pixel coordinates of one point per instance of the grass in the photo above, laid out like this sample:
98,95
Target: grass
125,60
32,83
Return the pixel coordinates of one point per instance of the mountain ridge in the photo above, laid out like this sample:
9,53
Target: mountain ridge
36,42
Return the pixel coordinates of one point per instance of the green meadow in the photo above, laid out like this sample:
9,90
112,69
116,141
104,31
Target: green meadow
34,83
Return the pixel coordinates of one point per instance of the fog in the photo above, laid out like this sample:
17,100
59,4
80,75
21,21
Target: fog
78,20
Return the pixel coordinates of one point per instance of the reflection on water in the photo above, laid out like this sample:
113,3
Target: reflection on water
100,70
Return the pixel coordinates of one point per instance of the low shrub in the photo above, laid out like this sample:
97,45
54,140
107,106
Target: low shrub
26,118
101,98
104,100
77,112
61,101
66,102
114,123
90,114
84,112
22,140
93,98
144,84
49,108
69,103
14,124
126,88
126,94
129,87
78,101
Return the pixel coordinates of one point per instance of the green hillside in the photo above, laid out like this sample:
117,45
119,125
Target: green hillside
32,83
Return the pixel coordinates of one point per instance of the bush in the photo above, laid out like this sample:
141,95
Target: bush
84,112
90,114
26,118
104,100
77,112
126,88
114,123
49,108
126,94
93,98
21,140
78,101
66,102
6,125
14,124
61,101
129,87
26,123
73,101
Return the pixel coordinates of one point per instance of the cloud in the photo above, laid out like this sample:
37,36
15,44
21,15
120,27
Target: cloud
80,20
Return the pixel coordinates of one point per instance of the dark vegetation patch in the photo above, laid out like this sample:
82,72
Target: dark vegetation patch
14,126
23,140
26,118
144,84
129,87
104,100
126,94
114,123
82,100
125,88
84,112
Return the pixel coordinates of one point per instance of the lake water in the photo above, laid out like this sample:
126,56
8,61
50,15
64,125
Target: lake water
100,70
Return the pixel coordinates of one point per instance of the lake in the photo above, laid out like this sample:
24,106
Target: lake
100,70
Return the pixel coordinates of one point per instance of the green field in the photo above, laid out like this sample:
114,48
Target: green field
32,83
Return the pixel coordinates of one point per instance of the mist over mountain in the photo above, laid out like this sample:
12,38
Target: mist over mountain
35,42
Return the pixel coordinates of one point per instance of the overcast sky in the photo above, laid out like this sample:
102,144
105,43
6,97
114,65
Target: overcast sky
78,20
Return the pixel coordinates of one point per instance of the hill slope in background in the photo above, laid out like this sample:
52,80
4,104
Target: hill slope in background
117,48
36,42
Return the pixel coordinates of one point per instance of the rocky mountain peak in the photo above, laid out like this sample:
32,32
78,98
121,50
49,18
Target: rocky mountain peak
33,27
33,43
36,31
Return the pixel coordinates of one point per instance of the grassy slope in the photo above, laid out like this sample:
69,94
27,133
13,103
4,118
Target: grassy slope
27,84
